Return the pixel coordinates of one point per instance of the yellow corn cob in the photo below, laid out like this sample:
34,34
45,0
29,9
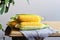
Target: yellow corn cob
29,18
31,24
12,23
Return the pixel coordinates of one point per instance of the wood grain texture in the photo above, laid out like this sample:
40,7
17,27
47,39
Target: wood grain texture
53,24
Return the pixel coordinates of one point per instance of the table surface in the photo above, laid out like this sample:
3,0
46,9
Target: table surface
53,24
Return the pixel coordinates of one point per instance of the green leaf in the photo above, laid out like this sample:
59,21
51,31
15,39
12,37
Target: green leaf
12,1
7,8
13,17
6,2
2,9
28,1
0,26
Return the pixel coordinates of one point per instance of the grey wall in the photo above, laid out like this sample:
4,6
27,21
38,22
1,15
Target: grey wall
49,9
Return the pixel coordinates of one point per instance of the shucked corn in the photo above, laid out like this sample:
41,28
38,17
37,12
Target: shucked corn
31,24
33,27
29,18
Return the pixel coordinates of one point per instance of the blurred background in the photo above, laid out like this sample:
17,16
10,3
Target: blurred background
49,9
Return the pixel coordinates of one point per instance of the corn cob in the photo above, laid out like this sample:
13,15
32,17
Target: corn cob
29,18
29,27
12,23
31,24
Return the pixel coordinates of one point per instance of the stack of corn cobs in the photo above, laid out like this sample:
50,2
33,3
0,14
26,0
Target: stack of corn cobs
4,5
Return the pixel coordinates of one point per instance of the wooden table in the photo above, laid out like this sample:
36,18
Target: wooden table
53,24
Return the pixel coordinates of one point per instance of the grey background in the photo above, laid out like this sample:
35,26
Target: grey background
49,9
